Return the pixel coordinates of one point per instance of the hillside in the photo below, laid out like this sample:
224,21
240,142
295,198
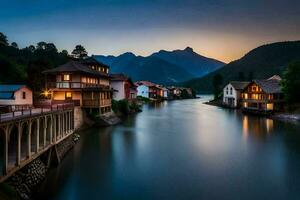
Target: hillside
189,60
260,63
162,67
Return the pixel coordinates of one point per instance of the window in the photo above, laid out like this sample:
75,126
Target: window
230,90
24,95
226,90
66,77
68,95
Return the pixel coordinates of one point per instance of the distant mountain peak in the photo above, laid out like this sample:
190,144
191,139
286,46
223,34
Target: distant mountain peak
189,49
128,54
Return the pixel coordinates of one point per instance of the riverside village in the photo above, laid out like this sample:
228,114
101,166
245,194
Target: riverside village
150,100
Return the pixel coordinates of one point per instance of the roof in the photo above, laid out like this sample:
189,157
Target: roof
93,60
75,66
7,91
270,86
239,85
10,88
146,83
122,77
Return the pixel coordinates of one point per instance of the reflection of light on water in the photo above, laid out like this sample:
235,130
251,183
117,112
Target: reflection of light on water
269,125
245,127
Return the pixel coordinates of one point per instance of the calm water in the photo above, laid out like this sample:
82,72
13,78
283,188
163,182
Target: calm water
182,150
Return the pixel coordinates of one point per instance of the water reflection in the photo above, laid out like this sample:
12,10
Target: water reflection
182,150
259,127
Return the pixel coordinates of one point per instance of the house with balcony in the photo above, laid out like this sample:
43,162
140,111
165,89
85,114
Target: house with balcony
232,93
85,83
123,87
263,96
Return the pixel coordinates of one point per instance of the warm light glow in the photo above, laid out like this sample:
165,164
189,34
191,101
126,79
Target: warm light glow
46,93
270,106
66,77
68,95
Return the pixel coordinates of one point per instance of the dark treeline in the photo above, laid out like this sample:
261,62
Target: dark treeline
26,65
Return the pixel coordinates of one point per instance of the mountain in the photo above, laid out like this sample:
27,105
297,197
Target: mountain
260,63
162,67
192,62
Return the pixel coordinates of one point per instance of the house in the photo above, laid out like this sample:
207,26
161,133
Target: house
146,89
263,96
165,93
15,97
85,83
123,87
232,93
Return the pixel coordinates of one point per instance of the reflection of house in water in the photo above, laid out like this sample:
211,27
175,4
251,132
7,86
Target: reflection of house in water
258,127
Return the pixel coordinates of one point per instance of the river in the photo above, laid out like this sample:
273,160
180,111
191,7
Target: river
182,150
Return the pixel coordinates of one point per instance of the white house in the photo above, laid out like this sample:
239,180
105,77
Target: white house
232,93
165,92
145,89
15,96
123,87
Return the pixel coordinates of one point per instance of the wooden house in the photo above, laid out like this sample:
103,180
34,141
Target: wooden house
263,96
85,83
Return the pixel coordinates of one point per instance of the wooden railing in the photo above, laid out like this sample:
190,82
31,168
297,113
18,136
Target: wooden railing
96,102
76,85
34,111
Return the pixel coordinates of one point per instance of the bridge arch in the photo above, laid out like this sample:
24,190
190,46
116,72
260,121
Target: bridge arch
42,132
34,135
48,130
2,151
24,140
13,137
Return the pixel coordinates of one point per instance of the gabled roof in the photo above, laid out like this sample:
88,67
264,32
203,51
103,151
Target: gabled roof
122,77
146,83
75,66
270,86
10,88
239,85
7,91
93,60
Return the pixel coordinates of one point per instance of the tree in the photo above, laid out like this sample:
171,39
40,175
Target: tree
65,52
15,45
217,84
79,52
3,39
31,48
50,47
291,83
41,45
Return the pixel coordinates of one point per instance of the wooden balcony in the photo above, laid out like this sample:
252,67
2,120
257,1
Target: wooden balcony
76,85
96,103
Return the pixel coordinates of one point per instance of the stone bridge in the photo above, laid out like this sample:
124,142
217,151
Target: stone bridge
26,135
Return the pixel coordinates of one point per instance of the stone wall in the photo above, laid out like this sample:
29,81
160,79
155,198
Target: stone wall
78,118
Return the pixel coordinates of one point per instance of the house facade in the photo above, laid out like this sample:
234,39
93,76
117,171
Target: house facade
85,83
232,93
263,96
123,87
15,97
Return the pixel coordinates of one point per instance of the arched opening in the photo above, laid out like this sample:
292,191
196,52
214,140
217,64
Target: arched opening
48,131
24,141
33,138
57,126
13,146
41,133
2,151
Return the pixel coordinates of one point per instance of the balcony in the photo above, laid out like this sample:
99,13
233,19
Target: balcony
76,85
96,103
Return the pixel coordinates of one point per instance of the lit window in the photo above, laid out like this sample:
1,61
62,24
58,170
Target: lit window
68,95
66,77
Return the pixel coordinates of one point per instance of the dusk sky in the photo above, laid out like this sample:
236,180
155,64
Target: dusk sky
224,30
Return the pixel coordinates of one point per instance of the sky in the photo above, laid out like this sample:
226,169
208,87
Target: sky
221,29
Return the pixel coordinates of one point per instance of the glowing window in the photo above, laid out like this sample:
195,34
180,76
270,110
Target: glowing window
66,77
68,95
